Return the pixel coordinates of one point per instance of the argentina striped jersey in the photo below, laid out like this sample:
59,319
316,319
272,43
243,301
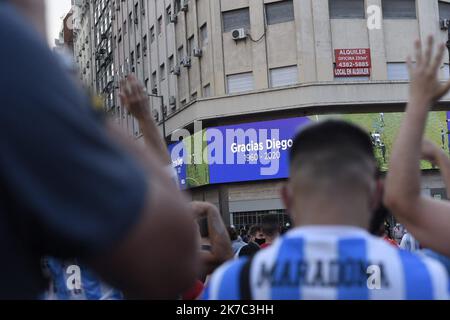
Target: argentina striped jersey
330,262
90,287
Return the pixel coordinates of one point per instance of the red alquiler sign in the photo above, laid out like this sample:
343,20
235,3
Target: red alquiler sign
352,62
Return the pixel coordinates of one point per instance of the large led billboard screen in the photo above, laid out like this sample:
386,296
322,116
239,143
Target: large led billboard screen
260,150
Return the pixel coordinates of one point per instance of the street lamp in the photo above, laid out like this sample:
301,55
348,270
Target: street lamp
163,112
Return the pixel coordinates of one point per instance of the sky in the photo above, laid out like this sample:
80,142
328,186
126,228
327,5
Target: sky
56,9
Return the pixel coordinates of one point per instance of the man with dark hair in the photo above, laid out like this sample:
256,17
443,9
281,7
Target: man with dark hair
255,239
331,195
270,229
236,241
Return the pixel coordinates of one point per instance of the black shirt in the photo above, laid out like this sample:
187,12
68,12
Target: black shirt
66,190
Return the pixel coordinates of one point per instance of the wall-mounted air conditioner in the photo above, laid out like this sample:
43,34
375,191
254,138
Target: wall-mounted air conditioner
184,5
197,52
176,70
239,34
173,18
186,62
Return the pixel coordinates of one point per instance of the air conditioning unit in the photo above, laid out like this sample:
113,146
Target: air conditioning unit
176,70
184,5
173,18
444,23
186,62
239,34
197,52
172,101
136,21
155,89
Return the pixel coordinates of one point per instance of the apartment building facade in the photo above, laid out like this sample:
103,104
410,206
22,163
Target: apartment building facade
235,62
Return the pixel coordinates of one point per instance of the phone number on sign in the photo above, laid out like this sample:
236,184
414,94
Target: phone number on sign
363,64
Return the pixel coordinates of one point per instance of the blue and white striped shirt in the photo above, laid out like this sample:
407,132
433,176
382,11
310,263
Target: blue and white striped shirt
91,288
330,262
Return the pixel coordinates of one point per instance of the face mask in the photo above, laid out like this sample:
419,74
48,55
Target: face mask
260,241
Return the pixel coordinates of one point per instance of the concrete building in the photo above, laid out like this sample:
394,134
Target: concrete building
83,41
230,62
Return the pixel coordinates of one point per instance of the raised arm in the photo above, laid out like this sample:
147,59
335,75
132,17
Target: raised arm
135,99
426,218
220,241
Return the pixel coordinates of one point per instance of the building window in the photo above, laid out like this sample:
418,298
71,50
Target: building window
144,46
191,44
279,12
130,21
204,36
241,82
399,9
132,58
236,19
207,91
444,10
194,96
177,4
285,76
136,13
346,9
160,26
138,51
168,14
162,72
180,54
124,28
152,34
171,64
154,82
397,71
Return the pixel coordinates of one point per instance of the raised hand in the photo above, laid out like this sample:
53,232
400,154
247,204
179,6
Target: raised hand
134,97
425,85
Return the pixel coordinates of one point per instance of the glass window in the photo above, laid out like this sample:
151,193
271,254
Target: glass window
399,9
236,19
284,76
241,82
397,71
279,12
207,91
159,25
162,72
444,10
346,9
204,36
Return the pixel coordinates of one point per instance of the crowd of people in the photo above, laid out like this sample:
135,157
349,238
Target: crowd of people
77,191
